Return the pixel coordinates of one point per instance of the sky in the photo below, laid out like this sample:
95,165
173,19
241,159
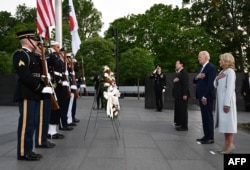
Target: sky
110,9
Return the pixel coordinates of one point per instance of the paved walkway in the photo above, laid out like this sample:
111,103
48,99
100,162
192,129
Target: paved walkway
148,141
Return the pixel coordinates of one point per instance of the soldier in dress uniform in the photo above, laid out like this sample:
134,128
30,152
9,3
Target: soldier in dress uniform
159,86
27,93
72,103
41,140
76,68
56,68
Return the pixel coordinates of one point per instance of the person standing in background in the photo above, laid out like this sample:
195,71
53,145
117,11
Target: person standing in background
98,91
205,95
159,87
181,94
225,110
245,91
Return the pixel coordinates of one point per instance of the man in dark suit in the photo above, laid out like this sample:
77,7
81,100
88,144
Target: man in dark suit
205,94
245,91
181,95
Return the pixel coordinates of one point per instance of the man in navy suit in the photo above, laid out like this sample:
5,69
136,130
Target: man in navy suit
245,91
205,94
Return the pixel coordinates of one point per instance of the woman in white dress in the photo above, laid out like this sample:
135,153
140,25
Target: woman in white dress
225,110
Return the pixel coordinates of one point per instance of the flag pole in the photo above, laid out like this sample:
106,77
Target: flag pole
58,13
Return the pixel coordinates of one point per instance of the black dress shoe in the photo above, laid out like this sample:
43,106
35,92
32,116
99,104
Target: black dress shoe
47,145
76,120
201,139
56,136
66,128
29,157
72,124
207,142
37,154
181,129
176,125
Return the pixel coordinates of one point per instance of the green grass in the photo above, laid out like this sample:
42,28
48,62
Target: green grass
245,126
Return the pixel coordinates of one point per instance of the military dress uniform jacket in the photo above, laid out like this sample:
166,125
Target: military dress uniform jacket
55,68
160,81
27,66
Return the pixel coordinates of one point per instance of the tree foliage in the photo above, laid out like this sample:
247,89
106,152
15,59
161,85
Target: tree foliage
88,18
134,65
162,32
94,54
5,63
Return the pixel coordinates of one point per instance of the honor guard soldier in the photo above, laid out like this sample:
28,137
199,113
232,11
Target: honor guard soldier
76,68
159,87
41,140
56,68
28,94
72,103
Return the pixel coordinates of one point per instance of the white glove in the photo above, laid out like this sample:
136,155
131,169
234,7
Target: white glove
83,85
48,75
154,71
43,77
73,73
66,73
65,83
73,87
47,90
163,90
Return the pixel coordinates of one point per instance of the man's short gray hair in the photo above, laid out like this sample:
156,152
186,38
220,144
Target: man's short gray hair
206,54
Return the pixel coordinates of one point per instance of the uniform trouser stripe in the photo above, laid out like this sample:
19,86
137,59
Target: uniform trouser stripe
40,123
23,131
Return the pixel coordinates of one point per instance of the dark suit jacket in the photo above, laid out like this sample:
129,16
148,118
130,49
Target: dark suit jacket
181,88
205,87
246,88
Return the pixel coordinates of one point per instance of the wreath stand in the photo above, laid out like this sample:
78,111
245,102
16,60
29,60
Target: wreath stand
114,121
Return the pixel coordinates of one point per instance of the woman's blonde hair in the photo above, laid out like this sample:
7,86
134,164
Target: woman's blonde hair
228,60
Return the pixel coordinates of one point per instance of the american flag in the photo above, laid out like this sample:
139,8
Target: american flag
45,17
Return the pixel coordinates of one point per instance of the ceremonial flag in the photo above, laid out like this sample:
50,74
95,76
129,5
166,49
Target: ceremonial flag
75,39
45,17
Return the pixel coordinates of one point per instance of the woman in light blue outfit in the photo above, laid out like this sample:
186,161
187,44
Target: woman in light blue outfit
225,110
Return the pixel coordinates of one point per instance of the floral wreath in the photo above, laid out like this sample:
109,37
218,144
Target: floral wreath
111,93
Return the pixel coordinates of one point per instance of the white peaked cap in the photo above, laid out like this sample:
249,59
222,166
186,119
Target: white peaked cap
54,43
105,68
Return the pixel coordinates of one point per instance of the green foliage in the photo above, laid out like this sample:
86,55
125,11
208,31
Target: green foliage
88,18
162,33
5,63
186,1
7,22
95,53
134,65
25,14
